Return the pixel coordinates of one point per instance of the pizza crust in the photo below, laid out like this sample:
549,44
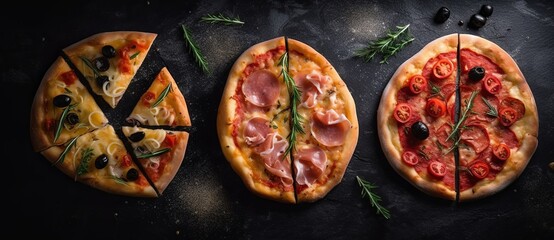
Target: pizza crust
177,157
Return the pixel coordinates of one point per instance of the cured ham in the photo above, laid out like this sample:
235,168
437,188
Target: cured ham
261,88
476,136
311,85
256,131
309,164
329,128
272,151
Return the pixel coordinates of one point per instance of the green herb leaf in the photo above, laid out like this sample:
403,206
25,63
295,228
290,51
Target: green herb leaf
367,190
85,159
61,158
156,153
198,56
221,19
134,56
162,96
90,65
456,128
387,46
492,111
61,121
119,180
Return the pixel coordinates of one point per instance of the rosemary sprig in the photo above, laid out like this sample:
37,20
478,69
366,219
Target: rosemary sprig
435,90
119,180
162,96
85,159
61,121
271,123
210,18
134,56
90,65
492,111
156,153
387,46
294,96
198,56
61,158
458,124
367,188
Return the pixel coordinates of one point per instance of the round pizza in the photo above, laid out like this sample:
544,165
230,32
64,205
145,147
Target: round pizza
458,119
287,122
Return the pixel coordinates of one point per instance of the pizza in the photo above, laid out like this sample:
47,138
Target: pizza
110,60
287,122
71,130
458,119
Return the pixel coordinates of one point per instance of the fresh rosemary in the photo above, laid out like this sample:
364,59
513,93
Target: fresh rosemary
198,56
61,121
162,96
61,158
463,117
210,18
367,188
492,111
134,56
387,46
156,153
85,159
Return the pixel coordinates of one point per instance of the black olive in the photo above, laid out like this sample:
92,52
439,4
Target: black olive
419,130
101,161
62,100
135,137
486,10
476,73
108,51
102,64
72,118
132,174
100,80
460,23
442,15
477,21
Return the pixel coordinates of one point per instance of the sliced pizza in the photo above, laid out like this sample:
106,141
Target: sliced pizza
110,60
159,151
162,104
62,108
100,160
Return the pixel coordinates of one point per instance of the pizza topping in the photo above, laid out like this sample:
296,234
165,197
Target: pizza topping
309,163
507,116
311,85
417,84
476,73
479,169
261,88
72,118
330,128
102,80
137,136
61,101
132,174
101,161
435,107
102,64
410,158
443,68
501,151
273,156
402,112
108,51
476,136
437,169
68,77
256,131
492,84
420,130
514,103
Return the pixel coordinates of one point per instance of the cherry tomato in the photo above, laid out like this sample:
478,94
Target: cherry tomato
69,77
402,112
126,160
170,140
479,169
514,103
435,107
410,158
492,84
417,84
502,151
443,68
507,116
437,169
148,98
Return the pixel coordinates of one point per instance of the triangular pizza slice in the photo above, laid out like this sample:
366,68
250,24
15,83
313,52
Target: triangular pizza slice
110,60
159,151
162,104
62,108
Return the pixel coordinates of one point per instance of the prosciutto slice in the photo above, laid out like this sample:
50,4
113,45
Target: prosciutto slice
256,131
309,164
311,85
329,128
261,88
272,151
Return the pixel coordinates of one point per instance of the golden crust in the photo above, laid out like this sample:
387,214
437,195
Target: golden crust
177,157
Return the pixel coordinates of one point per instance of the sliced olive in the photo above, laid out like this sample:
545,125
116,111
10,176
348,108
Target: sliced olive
135,137
72,118
100,80
102,64
132,174
101,161
486,10
442,15
477,21
62,100
420,130
476,73
108,51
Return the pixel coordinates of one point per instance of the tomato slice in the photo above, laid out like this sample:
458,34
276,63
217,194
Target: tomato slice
437,169
479,169
492,84
170,140
435,107
417,84
402,112
502,152
410,158
514,103
443,68
148,98
507,116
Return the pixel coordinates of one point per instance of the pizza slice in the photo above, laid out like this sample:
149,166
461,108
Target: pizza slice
162,104
99,159
110,60
159,151
62,108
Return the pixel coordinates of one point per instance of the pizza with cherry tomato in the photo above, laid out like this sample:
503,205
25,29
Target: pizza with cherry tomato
458,119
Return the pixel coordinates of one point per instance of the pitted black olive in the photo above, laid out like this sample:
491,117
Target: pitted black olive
132,174
62,100
442,15
136,137
486,10
72,118
477,21
420,130
101,161
108,51
476,73
102,64
100,80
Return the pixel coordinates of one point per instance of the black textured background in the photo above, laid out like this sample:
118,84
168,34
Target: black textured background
207,199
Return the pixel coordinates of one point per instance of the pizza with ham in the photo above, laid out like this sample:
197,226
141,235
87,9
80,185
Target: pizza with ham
458,119
287,122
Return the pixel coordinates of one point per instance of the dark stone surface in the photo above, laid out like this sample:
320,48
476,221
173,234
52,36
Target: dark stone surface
207,199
